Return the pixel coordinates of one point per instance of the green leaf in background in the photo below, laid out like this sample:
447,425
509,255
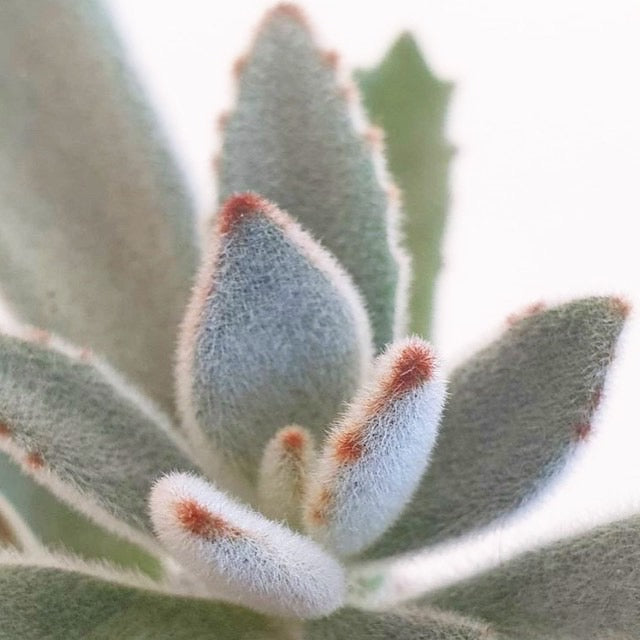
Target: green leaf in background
403,97
583,587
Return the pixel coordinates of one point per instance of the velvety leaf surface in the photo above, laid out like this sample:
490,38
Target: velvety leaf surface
584,587
38,602
275,334
403,97
516,410
96,237
80,435
410,623
290,138
59,527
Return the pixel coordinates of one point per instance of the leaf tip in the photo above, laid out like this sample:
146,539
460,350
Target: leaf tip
621,306
238,207
415,364
199,521
290,11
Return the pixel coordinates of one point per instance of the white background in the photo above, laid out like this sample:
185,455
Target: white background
546,189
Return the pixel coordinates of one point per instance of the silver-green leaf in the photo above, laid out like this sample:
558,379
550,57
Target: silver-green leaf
516,410
96,232
292,139
583,587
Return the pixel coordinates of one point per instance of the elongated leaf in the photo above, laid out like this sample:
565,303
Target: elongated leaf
403,97
96,238
60,527
59,600
410,623
14,531
291,139
376,453
584,587
516,410
251,560
275,334
78,431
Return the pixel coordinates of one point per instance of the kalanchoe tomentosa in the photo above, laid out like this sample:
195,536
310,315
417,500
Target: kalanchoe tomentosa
307,437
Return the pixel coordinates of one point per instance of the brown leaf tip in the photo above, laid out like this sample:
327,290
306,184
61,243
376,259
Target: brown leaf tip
5,431
288,10
581,431
413,366
293,439
621,305
347,446
529,310
238,207
199,521
34,460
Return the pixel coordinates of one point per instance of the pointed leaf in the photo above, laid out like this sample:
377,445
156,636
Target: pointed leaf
283,479
409,623
376,454
14,531
257,563
584,587
83,434
403,97
96,232
275,334
292,139
61,599
516,410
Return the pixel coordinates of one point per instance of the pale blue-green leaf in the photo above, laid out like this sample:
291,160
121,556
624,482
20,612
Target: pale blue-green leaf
290,138
96,232
81,433
583,587
40,602
517,409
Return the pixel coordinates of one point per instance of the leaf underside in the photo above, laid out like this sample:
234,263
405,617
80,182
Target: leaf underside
96,232
516,410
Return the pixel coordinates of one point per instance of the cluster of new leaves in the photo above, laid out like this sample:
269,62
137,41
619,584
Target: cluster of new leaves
306,421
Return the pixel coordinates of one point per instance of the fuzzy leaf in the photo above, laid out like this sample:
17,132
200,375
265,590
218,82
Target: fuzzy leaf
275,334
516,410
60,527
287,463
403,97
96,232
80,432
376,454
14,531
59,600
583,587
253,561
291,138
409,623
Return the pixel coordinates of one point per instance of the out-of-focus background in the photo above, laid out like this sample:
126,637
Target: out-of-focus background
545,183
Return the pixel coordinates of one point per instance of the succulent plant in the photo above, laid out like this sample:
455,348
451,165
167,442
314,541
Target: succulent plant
308,444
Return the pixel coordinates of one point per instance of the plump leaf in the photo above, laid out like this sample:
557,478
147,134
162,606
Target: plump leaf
403,97
14,531
251,560
60,527
291,138
96,232
59,600
516,410
583,587
275,334
83,434
376,453
409,623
